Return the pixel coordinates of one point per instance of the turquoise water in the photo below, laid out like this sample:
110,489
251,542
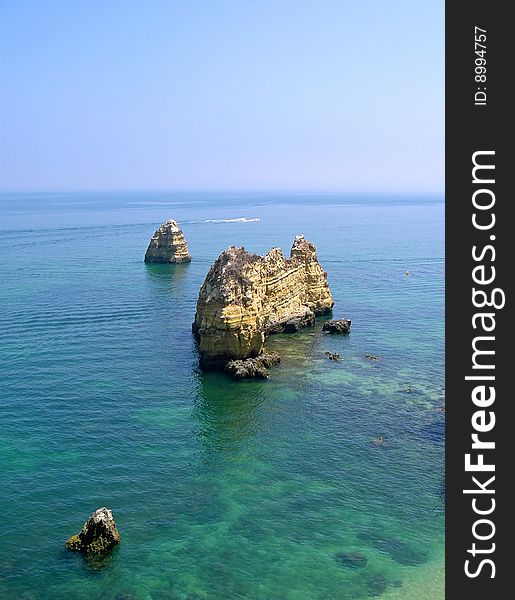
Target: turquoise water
220,489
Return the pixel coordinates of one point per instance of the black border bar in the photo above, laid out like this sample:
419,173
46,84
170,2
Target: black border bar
472,126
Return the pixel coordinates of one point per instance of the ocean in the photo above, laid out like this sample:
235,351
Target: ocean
221,490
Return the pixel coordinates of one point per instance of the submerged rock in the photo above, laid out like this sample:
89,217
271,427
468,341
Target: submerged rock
400,551
337,326
354,560
168,245
435,430
377,584
256,368
246,297
98,534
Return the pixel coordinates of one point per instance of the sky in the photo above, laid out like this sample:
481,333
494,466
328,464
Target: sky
298,95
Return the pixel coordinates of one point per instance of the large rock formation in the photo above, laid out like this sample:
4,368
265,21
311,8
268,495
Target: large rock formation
168,245
98,534
246,297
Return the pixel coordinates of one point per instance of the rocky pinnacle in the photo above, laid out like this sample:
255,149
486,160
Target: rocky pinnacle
246,297
168,245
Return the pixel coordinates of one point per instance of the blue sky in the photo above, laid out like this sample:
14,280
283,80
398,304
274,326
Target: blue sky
329,95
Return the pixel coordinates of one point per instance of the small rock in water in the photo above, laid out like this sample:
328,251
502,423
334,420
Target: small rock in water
298,322
354,560
253,368
337,326
98,534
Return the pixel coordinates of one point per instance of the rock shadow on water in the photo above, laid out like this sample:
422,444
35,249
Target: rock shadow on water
228,413
99,563
399,551
166,276
92,564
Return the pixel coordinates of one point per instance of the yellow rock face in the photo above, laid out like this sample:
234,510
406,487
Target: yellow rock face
168,245
245,297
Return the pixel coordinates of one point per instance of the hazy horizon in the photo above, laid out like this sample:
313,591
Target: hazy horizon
229,191
262,97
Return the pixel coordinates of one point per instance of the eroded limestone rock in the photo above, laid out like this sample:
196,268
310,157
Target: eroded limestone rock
246,297
168,245
98,534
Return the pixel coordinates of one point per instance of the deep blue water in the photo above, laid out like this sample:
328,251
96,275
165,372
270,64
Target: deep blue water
220,489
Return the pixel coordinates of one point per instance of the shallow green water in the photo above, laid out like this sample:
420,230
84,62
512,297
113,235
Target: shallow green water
220,489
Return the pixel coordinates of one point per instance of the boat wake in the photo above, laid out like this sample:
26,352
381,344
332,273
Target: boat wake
238,220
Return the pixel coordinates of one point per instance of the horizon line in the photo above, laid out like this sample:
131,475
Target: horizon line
224,191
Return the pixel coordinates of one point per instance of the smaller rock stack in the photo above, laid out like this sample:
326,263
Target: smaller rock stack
98,534
168,245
